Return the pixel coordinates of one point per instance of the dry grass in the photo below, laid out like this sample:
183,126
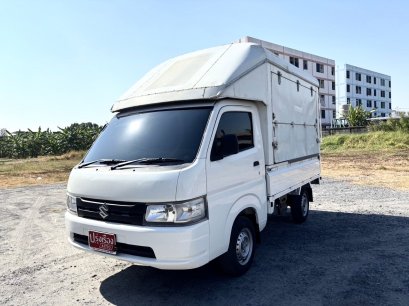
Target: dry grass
37,171
388,168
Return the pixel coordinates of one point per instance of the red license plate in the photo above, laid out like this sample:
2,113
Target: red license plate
102,242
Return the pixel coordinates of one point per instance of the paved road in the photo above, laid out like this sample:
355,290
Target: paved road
353,250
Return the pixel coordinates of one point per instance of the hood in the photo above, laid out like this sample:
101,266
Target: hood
140,184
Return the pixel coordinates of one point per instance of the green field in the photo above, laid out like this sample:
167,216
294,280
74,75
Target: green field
373,141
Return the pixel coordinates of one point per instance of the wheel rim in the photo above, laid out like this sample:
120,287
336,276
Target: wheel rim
244,246
304,205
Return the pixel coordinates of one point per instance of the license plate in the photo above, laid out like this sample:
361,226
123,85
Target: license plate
102,242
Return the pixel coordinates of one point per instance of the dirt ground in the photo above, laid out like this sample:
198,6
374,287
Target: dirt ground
353,250
385,169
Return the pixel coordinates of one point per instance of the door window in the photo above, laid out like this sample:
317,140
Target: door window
234,134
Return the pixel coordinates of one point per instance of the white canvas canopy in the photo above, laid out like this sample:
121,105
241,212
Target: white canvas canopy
209,74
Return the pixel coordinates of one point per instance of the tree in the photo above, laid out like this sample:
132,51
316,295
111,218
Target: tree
357,116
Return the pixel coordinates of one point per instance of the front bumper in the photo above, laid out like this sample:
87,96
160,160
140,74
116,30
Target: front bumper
175,248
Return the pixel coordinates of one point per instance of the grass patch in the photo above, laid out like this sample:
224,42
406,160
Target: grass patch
41,170
375,158
373,141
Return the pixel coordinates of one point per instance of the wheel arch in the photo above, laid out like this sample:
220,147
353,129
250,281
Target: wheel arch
251,214
248,206
308,189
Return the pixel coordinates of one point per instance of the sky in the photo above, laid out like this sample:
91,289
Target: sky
68,61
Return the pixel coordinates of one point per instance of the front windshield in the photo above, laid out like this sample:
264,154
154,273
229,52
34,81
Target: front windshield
169,133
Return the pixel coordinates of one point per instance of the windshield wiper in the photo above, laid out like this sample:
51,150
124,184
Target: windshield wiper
147,160
101,161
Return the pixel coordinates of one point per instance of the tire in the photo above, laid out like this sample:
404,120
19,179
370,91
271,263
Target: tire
300,206
239,257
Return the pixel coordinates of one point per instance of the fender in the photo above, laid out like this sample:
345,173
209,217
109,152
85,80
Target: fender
246,201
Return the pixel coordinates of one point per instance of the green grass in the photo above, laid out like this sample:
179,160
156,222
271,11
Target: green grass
373,141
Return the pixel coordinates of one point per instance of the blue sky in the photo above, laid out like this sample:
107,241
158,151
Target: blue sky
68,61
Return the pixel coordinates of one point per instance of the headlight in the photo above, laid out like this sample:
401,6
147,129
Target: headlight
72,204
185,212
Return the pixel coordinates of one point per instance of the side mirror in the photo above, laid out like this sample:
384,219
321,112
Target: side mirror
230,145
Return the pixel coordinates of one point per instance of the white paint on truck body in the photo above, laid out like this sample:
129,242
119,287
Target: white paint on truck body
282,102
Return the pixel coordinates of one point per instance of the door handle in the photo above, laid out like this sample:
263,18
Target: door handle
256,163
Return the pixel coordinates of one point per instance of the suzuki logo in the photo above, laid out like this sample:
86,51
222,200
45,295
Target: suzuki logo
103,211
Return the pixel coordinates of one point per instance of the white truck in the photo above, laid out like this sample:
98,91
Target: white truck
198,153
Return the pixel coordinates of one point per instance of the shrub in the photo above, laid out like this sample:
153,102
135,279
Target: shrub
357,116
23,144
392,125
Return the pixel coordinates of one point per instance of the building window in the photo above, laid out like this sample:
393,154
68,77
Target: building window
390,105
322,85
323,114
294,61
333,99
383,93
305,64
382,104
375,104
358,102
320,68
358,89
347,74
382,82
322,99
348,100
383,115
368,79
374,92
389,84
357,76
333,85
390,95
369,103
333,71
334,114
348,88
374,80
368,92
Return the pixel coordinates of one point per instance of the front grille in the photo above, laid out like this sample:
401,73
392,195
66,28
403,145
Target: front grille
122,248
119,212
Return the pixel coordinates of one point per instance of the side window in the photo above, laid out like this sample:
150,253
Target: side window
234,134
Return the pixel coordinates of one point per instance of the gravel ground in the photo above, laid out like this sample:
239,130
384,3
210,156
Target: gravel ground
353,250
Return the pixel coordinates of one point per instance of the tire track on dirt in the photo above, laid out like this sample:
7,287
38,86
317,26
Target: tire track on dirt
23,232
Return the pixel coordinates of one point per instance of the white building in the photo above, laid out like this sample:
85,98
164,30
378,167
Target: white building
369,89
320,67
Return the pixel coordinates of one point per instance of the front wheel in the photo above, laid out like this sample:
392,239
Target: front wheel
300,206
237,260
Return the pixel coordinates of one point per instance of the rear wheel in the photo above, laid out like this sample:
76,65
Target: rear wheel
237,260
300,206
